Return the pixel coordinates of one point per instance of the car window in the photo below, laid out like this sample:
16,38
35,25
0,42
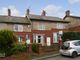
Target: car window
66,44
77,43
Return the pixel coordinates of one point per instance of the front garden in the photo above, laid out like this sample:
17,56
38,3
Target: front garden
9,49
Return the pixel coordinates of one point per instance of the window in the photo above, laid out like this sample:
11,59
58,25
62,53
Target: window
27,37
77,43
65,45
18,28
60,26
39,39
19,39
41,26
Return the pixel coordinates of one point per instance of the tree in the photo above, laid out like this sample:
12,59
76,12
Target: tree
7,39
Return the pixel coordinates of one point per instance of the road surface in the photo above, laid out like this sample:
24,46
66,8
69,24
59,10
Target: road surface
62,58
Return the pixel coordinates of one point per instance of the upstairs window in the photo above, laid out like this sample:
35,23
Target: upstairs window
41,26
60,26
18,28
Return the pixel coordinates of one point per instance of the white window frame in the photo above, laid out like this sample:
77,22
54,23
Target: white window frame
19,28
27,37
15,27
19,39
35,38
41,26
60,25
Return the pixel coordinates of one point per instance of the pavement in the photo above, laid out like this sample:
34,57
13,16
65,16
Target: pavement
44,57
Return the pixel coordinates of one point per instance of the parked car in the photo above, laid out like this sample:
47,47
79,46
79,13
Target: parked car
70,48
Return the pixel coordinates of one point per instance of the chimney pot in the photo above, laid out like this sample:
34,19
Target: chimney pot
67,13
28,11
9,12
43,13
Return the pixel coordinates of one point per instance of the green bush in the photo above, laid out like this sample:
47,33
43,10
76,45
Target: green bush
71,36
19,48
35,47
7,39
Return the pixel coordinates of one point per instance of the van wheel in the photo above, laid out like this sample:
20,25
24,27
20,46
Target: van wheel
74,54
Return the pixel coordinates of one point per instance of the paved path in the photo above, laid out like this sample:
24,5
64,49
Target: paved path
45,57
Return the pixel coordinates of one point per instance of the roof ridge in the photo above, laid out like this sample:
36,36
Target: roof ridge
11,16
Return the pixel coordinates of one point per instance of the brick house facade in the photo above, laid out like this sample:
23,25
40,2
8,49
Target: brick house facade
20,25
38,28
45,28
74,24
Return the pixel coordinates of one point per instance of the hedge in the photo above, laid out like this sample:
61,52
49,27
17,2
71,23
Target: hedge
71,36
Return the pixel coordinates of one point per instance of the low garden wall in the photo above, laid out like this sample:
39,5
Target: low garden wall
36,48
43,50
20,56
48,49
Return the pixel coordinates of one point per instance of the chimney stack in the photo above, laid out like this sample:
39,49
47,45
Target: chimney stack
28,11
67,13
9,12
43,13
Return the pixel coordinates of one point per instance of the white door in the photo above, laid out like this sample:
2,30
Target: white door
42,40
55,37
48,41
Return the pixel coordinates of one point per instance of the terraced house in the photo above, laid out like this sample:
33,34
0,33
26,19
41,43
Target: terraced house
36,28
74,24
45,28
20,25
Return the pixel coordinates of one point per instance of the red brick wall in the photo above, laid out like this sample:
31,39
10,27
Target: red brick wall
23,34
75,29
47,33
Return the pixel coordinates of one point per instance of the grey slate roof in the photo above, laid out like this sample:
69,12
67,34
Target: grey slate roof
13,19
46,18
77,17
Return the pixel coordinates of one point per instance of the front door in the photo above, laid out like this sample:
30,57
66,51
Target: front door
48,41
55,37
39,38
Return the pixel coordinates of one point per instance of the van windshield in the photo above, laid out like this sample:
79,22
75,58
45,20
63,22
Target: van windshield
65,45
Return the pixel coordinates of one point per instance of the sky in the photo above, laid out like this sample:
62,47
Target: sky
54,8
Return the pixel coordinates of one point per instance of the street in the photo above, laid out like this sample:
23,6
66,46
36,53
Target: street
62,58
